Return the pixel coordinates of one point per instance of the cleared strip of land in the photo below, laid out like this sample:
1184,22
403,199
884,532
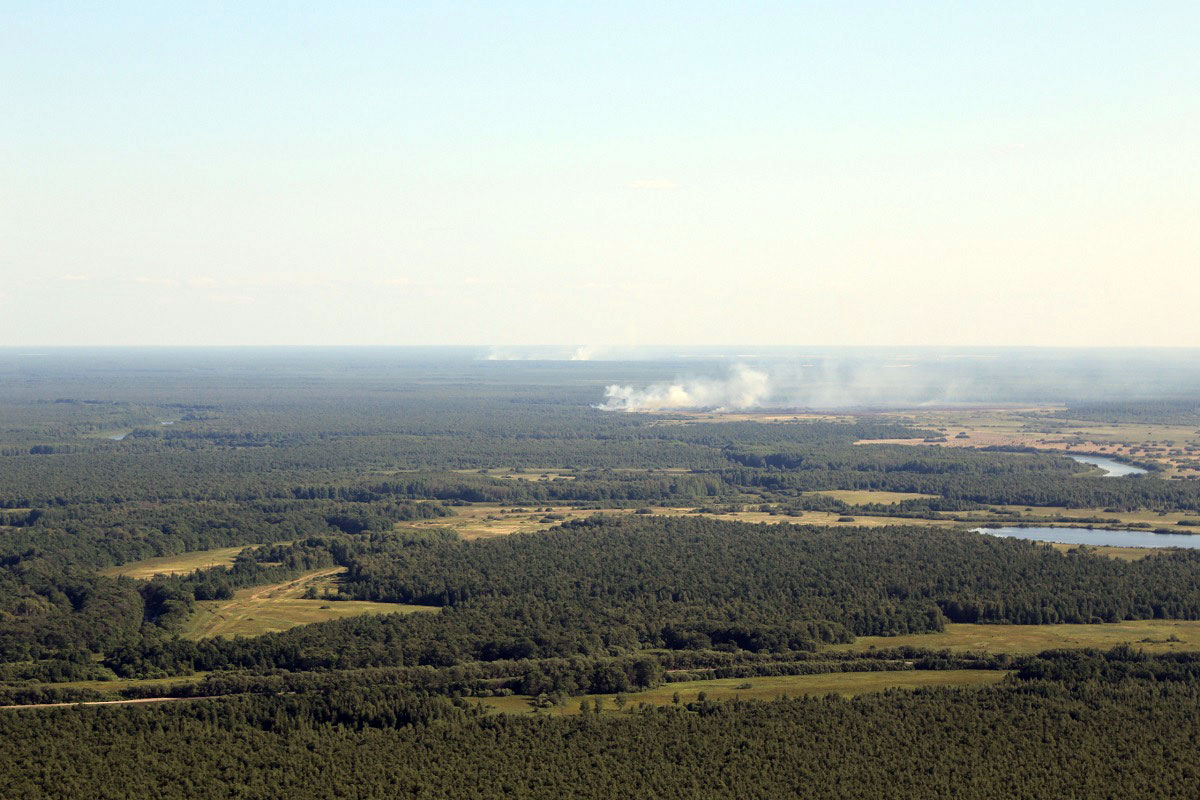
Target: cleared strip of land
859,497
1152,635
767,688
106,702
484,521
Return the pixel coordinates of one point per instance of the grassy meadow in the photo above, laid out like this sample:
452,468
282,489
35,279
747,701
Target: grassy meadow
277,607
763,688
1153,635
176,564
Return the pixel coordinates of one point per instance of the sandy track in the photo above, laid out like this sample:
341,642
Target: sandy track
107,702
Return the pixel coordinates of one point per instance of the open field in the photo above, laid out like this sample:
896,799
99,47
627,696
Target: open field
108,433
1174,447
858,497
1112,551
1154,519
485,520
522,474
488,520
1151,635
183,562
265,609
766,688
119,684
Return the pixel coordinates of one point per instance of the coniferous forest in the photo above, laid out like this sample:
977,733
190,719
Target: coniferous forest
668,550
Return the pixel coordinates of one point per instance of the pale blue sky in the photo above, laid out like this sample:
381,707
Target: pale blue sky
663,173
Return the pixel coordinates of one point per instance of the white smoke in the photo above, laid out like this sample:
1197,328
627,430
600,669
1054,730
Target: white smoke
551,353
744,388
583,353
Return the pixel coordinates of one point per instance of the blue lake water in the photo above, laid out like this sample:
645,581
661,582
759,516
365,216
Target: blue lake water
1112,469
1096,536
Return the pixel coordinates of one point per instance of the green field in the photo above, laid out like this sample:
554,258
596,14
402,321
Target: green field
1151,635
118,684
767,688
266,609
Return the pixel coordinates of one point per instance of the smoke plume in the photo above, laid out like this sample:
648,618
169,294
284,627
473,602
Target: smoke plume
744,388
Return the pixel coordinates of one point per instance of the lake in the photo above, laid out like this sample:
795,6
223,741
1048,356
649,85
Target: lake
1112,469
1096,536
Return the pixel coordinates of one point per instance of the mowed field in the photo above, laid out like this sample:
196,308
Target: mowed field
266,609
766,688
1152,635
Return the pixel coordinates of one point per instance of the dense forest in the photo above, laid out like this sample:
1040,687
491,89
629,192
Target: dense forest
1051,730
362,472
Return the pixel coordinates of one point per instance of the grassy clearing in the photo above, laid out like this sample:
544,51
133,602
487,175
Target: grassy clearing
768,688
278,607
1151,635
858,497
109,433
535,475
483,521
1111,551
1154,519
172,565
118,684
1174,447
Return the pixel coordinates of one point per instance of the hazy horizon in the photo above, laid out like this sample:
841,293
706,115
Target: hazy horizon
533,174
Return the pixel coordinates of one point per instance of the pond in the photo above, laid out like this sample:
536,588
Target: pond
1096,536
1112,469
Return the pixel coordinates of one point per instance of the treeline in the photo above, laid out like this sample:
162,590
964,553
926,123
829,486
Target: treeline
105,535
621,585
1181,411
1083,736
55,611
870,581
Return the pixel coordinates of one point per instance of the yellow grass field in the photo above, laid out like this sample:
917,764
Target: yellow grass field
1170,445
172,565
767,688
521,474
1154,519
858,497
1150,635
1112,551
266,609
484,521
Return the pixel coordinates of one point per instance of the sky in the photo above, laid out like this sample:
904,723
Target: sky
600,174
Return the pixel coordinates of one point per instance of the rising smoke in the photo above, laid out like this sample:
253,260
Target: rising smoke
551,353
744,388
